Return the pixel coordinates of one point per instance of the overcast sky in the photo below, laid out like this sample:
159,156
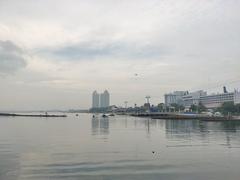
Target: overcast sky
53,54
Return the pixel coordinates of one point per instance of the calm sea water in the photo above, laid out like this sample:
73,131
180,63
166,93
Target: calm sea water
117,147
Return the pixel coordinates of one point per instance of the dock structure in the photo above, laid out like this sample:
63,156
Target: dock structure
179,116
31,115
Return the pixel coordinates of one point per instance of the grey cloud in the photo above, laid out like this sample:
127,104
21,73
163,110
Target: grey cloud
94,50
11,57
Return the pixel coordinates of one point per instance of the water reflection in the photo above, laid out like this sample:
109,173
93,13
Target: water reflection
118,147
230,129
100,125
179,128
230,125
202,132
9,161
187,132
181,131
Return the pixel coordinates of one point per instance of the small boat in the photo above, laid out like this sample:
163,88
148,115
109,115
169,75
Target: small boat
112,114
104,115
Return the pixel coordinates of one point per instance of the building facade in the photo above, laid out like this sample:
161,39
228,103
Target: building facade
216,100
95,100
100,100
105,99
193,98
236,97
175,98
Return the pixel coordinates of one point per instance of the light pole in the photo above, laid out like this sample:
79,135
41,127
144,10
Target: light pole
126,102
147,98
148,103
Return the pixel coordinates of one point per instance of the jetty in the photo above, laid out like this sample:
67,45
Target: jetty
31,115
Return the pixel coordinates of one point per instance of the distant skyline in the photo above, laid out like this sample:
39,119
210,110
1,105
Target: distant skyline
54,54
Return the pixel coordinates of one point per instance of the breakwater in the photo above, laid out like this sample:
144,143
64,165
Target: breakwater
31,115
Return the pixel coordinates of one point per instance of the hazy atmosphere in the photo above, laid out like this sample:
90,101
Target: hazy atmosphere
54,54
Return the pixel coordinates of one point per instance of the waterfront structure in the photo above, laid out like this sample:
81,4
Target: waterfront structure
216,100
104,99
95,99
174,98
193,98
236,97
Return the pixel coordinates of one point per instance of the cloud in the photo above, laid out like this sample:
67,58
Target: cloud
98,49
11,57
87,45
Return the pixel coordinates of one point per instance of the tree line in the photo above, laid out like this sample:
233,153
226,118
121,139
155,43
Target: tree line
229,107
225,108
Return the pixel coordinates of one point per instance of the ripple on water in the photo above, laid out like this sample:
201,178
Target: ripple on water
113,168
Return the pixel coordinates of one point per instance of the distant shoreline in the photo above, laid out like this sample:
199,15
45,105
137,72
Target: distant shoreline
185,117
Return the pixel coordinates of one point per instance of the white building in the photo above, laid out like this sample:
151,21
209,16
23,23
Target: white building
193,98
104,99
95,100
209,101
236,97
216,100
174,98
